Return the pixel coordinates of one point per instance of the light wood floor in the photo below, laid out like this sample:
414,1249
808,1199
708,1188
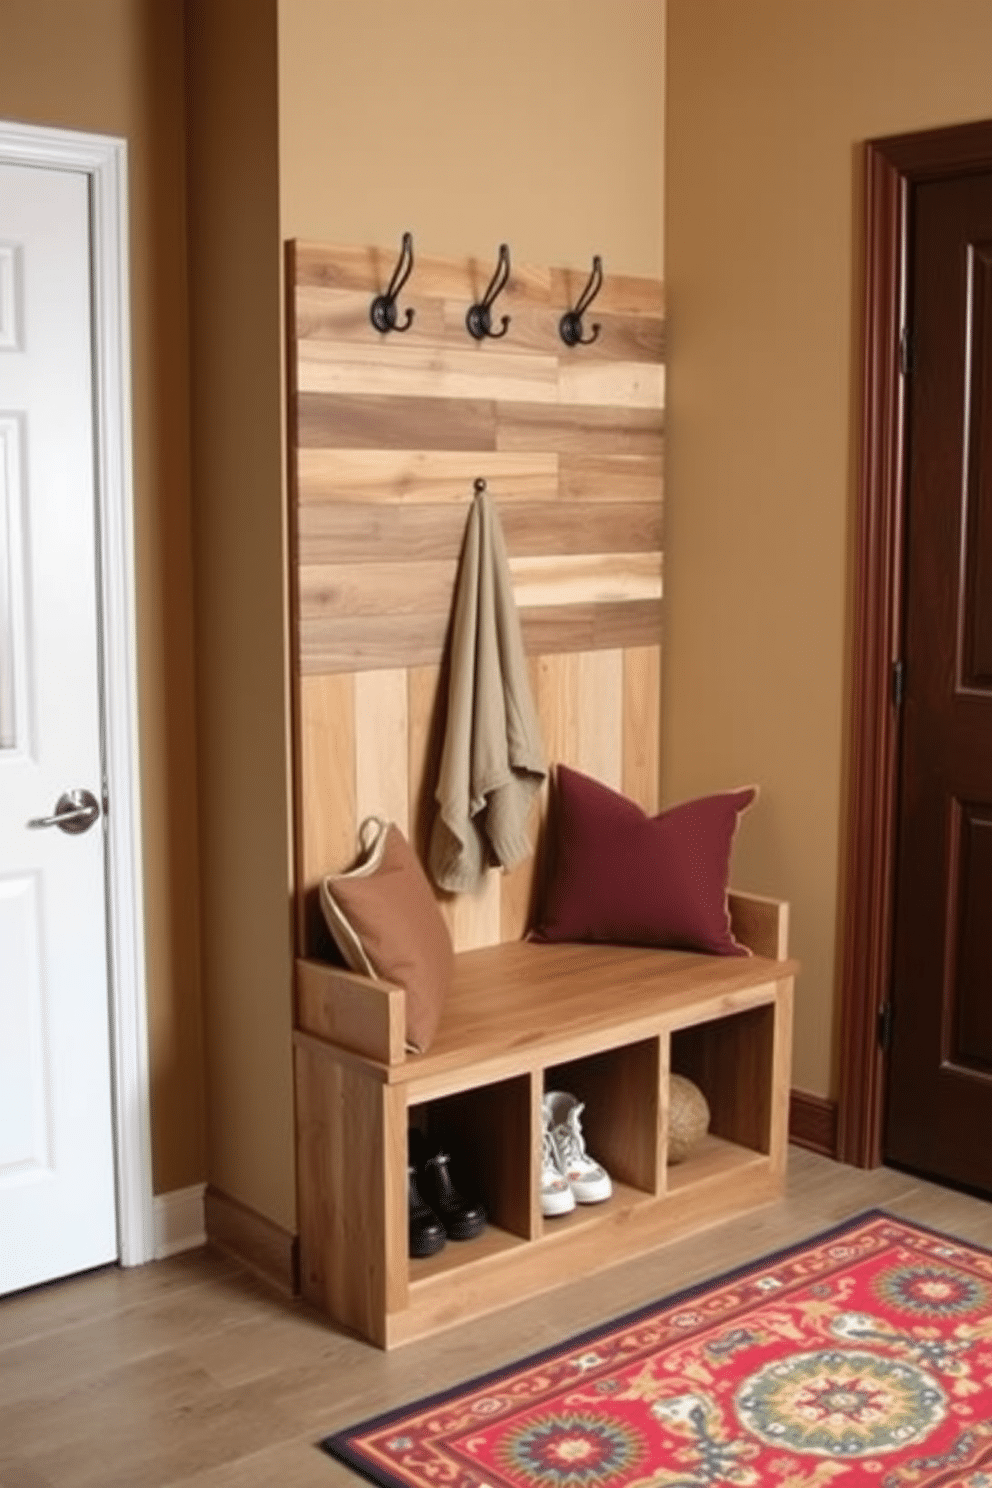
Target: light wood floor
190,1374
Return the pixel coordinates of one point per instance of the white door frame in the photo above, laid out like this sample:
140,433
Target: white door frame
103,159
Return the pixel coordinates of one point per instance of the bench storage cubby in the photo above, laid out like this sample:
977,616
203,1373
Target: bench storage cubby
606,1023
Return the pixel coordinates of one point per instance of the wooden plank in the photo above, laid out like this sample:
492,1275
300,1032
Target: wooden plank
475,918
361,268
413,371
563,528
577,430
555,689
373,589
398,588
623,294
535,328
520,888
620,1090
597,697
781,1077
325,796
712,1161
356,268
591,627
371,476
586,578
619,384
323,312
730,1059
607,477
641,725
380,746
358,532
369,269
350,1011
554,1000
760,923
622,338
349,1209
359,421
343,643
425,705
342,315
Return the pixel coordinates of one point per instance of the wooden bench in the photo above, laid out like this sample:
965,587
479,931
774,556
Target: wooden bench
606,1023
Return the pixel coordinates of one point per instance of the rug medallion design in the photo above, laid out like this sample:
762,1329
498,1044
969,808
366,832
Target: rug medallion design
861,1357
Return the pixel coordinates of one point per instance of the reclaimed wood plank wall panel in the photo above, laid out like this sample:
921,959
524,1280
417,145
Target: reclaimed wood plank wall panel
342,643
578,430
359,421
382,747
642,725
342,316
370,642
328,590
589,627
387,435
325,814
425,716
610,478
378,476
599,690
341,532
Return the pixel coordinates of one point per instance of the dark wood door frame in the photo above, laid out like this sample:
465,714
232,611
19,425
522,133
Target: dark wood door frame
892,167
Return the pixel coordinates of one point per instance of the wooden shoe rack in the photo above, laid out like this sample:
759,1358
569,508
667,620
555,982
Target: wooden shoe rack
606,1023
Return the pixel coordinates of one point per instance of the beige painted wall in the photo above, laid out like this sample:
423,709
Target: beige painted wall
767,104
238,526
537,124
116,67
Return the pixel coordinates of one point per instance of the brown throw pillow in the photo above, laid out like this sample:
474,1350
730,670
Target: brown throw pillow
387,924
618,875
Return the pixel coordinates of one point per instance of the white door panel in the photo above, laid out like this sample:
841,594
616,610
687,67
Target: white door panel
57,1198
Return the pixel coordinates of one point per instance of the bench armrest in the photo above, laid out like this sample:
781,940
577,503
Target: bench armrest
760,923
351,1011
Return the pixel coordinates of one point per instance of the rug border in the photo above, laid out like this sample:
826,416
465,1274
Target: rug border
336,1444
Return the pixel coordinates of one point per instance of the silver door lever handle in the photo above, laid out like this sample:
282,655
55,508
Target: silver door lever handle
75,811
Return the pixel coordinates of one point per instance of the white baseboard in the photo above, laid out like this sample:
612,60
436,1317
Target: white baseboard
179,1221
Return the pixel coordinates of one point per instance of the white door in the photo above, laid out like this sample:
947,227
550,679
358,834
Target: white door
57,1190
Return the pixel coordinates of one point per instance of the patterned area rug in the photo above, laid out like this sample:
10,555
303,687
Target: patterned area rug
861,1357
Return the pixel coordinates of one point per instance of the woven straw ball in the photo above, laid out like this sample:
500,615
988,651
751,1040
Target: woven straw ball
688,1117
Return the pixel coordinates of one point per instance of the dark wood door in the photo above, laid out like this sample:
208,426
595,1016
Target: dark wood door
939,1111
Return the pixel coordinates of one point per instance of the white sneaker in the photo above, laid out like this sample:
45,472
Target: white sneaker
589,1182
556,1191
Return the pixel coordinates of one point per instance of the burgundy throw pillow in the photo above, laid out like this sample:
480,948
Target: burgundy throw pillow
618,875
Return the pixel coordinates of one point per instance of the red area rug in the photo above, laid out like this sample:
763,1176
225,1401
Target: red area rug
861,1357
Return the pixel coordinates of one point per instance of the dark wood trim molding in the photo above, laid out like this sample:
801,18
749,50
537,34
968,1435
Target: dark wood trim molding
264,1247
872,780
813,1122
893,166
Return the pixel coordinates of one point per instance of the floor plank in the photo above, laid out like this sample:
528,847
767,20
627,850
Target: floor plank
190,1374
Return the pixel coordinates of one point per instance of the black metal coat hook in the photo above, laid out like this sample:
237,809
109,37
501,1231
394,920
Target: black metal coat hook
570,325
479,317
383,309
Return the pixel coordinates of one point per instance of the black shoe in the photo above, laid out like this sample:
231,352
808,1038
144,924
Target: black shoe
426,1230
462,1220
